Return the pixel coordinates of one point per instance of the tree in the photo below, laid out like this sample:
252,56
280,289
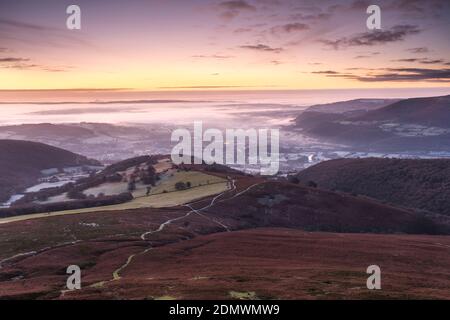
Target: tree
293,179
188,184
114,178
76,195
180,186
131,185
42,197
312,184
148,180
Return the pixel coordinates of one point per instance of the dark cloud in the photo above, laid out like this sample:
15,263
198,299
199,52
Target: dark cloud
311,17
377,37
262,47
428,61
237,5
22,64
418,50
367,55
24,25
395,75
234,7
327,72
289,28
9,60
214,56
409,74
406,60
421,60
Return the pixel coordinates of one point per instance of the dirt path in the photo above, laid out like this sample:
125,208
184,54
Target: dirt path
116,273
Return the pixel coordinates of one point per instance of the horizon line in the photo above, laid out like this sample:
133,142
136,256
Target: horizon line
206,89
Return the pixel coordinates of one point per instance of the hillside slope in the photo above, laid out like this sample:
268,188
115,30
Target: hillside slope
22,161
351,106
285,264
286,205
141,253
432,112
422,184
406,125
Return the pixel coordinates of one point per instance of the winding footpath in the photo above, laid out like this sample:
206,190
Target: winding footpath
116,273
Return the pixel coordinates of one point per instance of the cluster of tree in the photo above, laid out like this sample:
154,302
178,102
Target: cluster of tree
43,194
414,183
296,180
183,167
21,163
74,191
182,185
110,174
125,164
148,175
61,206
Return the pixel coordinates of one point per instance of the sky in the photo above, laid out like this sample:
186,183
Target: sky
229,45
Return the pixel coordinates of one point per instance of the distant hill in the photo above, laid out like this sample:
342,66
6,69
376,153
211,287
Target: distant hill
410,124
431,112
422,184
356,105
106,142
21,163
47,130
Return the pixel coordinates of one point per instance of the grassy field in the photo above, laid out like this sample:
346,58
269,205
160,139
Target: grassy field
168,181
108,188
158,199
163,165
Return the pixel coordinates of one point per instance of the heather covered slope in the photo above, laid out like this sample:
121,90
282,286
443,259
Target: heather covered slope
21,163
275,204
213,248
279,263
413,183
